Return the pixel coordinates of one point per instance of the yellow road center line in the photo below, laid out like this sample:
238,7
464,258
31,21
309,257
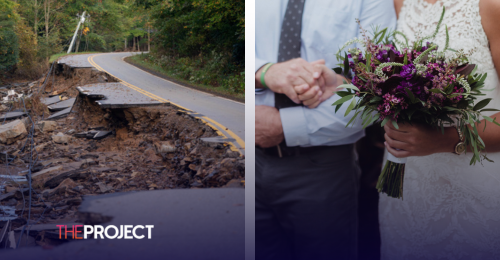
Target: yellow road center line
231,144
240,141
233,135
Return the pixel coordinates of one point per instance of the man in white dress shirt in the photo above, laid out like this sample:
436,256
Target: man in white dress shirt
306,166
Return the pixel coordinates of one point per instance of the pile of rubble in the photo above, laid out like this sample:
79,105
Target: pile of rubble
89,150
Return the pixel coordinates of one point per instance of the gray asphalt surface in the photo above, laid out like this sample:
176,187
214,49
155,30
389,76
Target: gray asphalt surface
227,113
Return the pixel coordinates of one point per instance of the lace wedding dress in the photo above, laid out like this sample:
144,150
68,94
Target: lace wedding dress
451,210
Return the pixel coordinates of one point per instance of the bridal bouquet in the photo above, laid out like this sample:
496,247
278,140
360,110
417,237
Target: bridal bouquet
395,82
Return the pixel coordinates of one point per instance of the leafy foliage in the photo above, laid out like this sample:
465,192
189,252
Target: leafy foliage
9,46
188,28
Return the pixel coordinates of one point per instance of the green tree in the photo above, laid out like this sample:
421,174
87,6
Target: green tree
9,49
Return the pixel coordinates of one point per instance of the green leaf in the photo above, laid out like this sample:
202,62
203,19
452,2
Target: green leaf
410,113
376,99
473,142
405,62
342,100
384,122
395,124
481,104
491,120
436,90
447,108
483,78
410,95
479,137
475,67
367,122
353,118
375,118
350,107
449,89
343,93
489,109
365,116
368,62
337,107
338,70
382,36
346,64
348,86
446,45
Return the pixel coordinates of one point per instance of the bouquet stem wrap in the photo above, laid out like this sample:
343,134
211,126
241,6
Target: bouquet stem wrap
391,179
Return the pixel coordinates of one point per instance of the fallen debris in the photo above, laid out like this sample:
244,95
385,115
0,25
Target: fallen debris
93,134
62,105
50,100
117,148
61,138
13,131
7,213
63,113
164,147
47,126
12,115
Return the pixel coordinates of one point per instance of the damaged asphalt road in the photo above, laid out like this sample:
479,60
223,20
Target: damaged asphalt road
226,115
154,159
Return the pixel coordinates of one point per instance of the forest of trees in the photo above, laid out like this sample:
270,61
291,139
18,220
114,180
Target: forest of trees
201,41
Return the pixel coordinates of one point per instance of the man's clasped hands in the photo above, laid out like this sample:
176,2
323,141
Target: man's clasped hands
309,83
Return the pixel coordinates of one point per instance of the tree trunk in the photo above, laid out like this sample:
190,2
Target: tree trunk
125,43
133,43
86,43
149,38
36,18
46,8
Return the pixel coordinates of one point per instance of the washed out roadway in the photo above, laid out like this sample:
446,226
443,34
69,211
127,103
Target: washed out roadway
226,115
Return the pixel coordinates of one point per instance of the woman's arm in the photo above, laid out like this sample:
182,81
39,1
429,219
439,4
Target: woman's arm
420,140
490,18
397,5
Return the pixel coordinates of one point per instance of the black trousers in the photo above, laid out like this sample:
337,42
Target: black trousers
306,205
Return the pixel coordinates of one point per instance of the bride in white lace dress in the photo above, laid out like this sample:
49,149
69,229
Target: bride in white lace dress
451,210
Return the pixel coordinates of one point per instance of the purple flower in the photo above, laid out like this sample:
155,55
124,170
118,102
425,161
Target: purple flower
407,71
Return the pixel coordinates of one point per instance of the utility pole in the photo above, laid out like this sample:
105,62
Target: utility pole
82,20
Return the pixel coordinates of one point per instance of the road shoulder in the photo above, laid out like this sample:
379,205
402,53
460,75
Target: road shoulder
163,76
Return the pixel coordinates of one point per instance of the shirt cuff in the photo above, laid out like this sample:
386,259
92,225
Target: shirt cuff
259,63
294,125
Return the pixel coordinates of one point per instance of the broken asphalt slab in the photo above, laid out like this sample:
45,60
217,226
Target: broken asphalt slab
76,61
50,100
62,105
116,95
12,115
93,134
188,224
60,114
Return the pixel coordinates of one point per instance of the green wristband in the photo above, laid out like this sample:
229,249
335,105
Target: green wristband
266,67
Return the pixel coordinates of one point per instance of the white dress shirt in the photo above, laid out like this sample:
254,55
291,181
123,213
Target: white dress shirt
326,26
